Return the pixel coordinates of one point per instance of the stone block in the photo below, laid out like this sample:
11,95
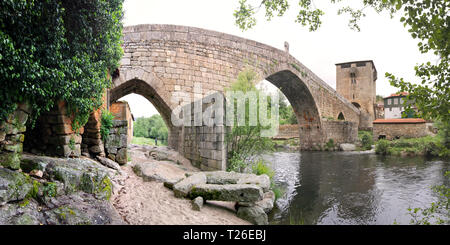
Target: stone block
227,192
254,215
62,129
121,156
182,188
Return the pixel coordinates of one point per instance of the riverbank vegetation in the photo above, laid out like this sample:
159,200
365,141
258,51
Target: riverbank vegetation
245,142
424,146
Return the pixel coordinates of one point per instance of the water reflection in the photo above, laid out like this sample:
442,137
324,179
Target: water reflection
349,188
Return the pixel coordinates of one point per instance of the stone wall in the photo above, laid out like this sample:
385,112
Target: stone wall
12,137
341,131
205,145
53,134
117,142
121,111
288,131
92,144
392,129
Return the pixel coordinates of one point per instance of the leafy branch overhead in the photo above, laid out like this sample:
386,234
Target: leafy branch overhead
426,20
58,50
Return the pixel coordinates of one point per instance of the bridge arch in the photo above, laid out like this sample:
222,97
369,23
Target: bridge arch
146,84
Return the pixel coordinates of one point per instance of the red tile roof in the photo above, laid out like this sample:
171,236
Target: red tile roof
397,95
400,120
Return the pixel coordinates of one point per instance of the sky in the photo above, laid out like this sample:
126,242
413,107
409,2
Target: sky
381,39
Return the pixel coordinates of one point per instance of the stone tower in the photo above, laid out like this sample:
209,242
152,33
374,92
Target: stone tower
356,81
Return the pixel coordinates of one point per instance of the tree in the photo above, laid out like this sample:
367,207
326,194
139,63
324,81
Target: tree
245,141
58,50
427,21
151,127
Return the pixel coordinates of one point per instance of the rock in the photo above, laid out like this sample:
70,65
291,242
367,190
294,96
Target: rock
121,156
95,149
75,173
14,186
108,163
81,209
159,171
347,147
228,192
182,188
197,203
36,173
254,215
10,160
170,183
267,202
2,135
222,177
24,213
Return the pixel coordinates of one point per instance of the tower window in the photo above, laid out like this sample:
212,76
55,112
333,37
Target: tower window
353,80
359,64
345,65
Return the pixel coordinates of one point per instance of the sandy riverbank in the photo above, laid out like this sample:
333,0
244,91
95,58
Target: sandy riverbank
142,202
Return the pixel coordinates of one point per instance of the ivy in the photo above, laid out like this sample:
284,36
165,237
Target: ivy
58,50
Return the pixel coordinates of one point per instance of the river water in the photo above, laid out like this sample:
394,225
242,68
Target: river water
352,188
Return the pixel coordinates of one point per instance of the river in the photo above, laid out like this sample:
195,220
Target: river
352,188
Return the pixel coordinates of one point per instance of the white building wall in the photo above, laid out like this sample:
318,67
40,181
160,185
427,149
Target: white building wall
393,112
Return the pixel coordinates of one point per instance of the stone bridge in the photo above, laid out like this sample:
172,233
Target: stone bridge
160,61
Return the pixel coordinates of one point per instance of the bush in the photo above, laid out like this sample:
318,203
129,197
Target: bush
261,167
106,124
329,146
382,147
366,139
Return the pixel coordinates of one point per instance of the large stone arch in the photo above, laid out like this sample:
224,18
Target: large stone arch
303,104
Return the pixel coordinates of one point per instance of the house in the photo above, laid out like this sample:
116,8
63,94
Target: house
394,105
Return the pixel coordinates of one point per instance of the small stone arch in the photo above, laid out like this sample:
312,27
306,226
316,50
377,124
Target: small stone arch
145,83
341,116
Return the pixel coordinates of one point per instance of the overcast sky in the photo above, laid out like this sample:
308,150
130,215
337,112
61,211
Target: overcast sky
381,39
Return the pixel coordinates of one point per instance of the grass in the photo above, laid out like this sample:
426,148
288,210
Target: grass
146,141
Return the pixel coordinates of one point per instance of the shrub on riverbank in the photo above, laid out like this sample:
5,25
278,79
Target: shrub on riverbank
426,146
366,139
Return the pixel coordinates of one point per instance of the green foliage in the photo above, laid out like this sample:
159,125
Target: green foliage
329,146
58,50
153,127
261,167
106,124
287,115
438,212
426,20
382,147
366,139
245,141
429,146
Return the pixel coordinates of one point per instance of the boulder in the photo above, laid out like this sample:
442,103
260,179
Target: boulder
197,203
14,186
81,209
108,163
267,202
159,171
222,177
183,188
254,215
121,156
10,160
228,192
347,147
